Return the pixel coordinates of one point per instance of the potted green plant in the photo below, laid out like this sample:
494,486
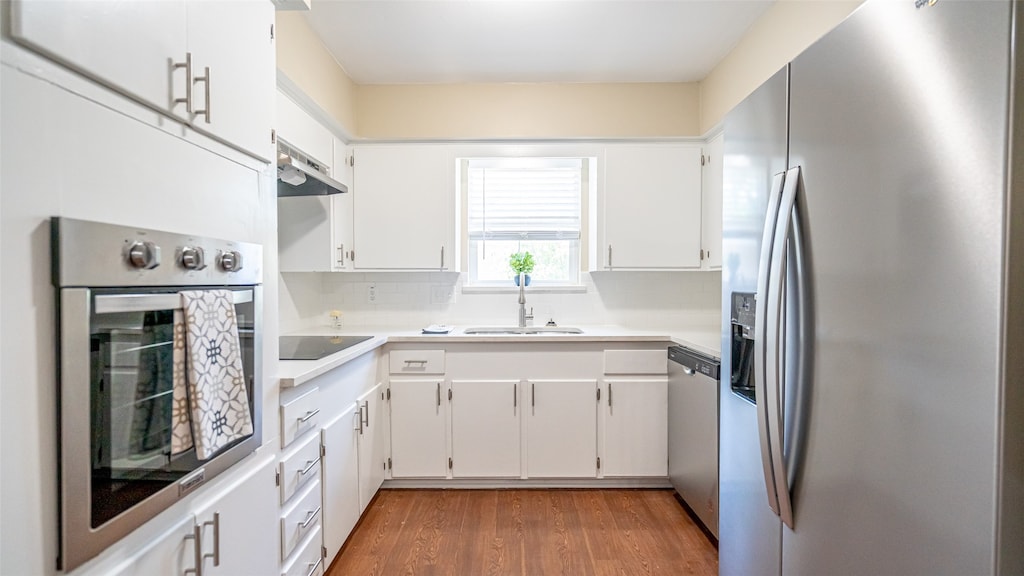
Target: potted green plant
521,263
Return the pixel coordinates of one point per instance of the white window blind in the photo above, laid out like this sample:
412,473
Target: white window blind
524,199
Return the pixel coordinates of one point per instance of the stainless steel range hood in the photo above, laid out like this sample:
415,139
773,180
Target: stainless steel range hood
299,175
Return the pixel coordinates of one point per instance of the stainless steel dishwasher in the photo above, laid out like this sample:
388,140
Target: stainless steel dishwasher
693,431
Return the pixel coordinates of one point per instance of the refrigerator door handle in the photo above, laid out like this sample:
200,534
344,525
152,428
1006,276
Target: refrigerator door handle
776,340
761,381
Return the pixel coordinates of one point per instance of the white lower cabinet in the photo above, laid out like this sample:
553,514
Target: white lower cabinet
418,440
238,528
635,427
340,440
307,561
172,553
372,444
485,428
561,428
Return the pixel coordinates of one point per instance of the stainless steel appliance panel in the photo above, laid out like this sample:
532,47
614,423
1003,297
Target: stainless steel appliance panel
693,432
755,150
898,120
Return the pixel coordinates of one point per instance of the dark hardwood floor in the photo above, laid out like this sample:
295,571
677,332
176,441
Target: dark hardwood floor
526,532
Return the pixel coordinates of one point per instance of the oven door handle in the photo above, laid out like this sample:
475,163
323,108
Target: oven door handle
115,303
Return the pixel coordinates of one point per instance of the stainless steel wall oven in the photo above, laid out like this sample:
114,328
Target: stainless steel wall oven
119,303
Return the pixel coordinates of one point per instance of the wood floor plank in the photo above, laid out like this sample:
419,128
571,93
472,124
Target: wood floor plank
526,533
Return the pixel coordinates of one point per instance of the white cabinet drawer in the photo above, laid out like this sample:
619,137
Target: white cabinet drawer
307,561
300,416
299,467
301,519
417,361
635,362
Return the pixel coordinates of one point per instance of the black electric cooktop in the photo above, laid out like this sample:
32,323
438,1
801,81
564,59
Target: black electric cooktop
315,347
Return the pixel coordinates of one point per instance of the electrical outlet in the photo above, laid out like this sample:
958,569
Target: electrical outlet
442,295
371,294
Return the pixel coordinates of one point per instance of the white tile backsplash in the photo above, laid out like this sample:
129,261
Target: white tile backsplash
647,300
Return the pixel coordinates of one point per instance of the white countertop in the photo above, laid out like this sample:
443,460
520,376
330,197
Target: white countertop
296,372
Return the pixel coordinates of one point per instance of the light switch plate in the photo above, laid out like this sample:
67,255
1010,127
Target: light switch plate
442,294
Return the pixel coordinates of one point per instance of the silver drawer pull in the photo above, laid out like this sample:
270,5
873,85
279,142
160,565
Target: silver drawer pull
420,362
308,415
315,566
309,466
309,519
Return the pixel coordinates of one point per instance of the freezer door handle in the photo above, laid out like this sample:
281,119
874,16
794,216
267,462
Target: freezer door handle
783,249
761,381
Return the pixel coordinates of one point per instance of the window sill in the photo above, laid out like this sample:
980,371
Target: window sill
580,289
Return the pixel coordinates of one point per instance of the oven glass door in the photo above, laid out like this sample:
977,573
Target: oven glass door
132,394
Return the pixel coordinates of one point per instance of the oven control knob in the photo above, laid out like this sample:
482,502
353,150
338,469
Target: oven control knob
231,261
144,255
193,258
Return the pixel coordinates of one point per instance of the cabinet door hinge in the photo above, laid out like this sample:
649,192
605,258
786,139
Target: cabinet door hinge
389,463
352,256
384,465
389,393
702,159
449,463
702,254
271,31
323,552
598,394
352,160
277,478
273,136
323,450
449,394
598,462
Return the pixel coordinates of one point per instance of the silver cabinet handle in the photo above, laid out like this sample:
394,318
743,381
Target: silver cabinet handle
442,257
366,413
420,362
533,394
438,394
205,79
359,421
197,538
309,466
515,395
609,394
309,518
315,566
216,538
187,65
341,254
609,255
308,415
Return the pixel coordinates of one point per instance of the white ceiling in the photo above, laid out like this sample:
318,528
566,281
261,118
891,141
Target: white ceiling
456,41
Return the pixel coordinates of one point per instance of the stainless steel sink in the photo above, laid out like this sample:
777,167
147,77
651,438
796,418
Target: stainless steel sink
493,330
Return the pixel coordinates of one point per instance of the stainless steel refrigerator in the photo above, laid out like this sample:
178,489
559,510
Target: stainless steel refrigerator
873,290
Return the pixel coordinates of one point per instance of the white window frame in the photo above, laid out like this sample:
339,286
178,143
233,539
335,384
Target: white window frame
588,194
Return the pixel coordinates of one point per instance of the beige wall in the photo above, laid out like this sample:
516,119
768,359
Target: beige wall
470,111
785,30
306,62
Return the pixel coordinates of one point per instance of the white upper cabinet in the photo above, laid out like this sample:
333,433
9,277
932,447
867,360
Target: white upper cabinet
234,73
300,130
129,46
404,208
711,205
652,207
146,50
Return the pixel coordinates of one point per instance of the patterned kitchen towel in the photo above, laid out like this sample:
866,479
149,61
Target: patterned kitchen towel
181,419
218,398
